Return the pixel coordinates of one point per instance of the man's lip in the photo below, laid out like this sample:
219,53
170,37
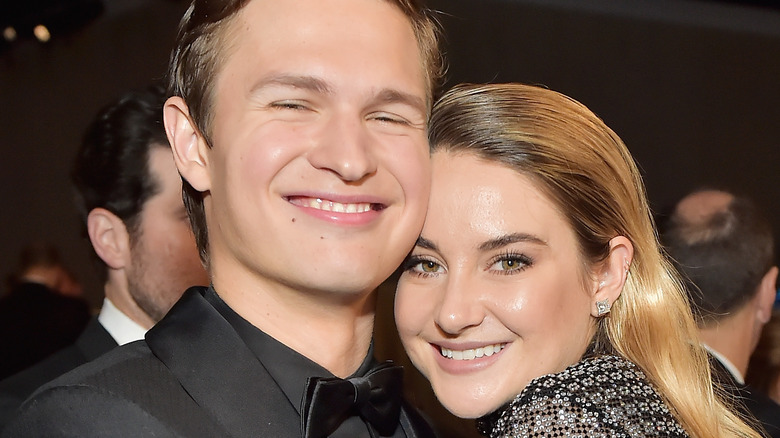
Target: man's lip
337,204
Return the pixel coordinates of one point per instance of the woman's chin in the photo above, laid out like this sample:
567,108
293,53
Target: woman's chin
470,409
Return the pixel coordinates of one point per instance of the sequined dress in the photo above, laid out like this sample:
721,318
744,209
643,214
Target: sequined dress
604,396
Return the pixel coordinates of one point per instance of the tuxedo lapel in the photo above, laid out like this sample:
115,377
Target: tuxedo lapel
94,341
413,423
219,372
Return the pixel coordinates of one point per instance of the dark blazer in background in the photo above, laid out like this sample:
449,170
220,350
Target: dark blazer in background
92,343
193,376
756,404
35,322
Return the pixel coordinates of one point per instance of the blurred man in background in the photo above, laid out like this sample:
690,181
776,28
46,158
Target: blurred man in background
724,248
129,197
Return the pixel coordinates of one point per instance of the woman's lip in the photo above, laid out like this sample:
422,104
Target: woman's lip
461,360
463,353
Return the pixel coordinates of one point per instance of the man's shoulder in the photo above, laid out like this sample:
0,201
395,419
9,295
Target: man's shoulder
125,392
116,369
24,382
15,389
766,410
93,342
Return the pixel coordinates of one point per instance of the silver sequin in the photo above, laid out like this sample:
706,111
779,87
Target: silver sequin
605,396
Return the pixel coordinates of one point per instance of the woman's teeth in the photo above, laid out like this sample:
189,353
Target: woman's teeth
474,353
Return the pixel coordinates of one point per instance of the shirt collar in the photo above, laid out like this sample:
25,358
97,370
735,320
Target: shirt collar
726,364
288,368
123,329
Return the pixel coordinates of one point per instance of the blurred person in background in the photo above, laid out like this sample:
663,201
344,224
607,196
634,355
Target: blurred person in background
43,310
763,372
129,197
724,249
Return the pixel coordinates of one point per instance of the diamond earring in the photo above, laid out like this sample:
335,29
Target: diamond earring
602,307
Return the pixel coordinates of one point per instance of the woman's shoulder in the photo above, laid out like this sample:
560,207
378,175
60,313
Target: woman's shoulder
600,396
590,374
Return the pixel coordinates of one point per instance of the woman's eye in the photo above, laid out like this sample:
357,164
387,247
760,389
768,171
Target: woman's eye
422,267
511,263
429,266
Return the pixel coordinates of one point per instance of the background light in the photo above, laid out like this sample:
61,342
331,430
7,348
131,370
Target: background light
42,33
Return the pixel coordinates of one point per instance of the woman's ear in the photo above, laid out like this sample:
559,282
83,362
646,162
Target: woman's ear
190,150
109,238
612,275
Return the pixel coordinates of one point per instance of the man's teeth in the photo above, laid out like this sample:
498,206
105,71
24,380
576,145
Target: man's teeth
474,353
338,207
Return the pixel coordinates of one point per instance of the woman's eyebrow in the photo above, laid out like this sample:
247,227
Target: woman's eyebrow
425,244
509,239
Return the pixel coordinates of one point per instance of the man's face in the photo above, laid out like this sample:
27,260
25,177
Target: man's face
164,258
319,171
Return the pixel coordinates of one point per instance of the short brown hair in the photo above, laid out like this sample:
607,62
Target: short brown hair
723,258
199,51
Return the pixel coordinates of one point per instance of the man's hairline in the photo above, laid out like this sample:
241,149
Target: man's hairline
229,38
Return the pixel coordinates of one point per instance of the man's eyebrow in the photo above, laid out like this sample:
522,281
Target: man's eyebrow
295,81
509,239
389,95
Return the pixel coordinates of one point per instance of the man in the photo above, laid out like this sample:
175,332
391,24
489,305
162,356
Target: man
129,194
42,313
724,249
300,128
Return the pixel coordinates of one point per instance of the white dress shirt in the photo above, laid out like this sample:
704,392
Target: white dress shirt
118,325
727,364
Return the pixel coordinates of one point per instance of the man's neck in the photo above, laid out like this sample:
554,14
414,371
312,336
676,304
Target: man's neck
330,329
731,339
116,290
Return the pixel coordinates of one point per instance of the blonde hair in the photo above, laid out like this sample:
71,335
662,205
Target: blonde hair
589,174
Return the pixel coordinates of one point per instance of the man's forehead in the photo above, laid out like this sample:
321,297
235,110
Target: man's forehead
287,50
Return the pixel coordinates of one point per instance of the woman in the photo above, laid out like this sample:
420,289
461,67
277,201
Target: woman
537,296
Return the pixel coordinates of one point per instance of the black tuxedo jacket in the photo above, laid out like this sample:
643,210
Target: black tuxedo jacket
93,342
756,404
193,376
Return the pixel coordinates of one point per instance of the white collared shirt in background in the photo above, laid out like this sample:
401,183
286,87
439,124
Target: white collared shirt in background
123,329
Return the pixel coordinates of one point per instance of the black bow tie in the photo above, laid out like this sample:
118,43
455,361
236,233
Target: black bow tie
375,397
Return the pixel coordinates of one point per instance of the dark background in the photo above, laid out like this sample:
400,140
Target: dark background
692,87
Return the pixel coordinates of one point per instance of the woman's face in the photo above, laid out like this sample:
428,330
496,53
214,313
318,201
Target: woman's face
494,293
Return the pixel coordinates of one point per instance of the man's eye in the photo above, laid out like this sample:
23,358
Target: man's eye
389,118
289,105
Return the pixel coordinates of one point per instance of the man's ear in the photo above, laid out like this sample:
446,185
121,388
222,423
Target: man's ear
612,275
109,238
190,151
765,298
